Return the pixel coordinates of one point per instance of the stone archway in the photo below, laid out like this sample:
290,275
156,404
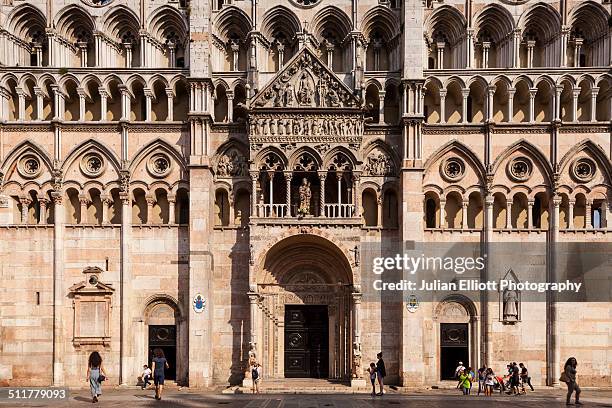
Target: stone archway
163,325
457,334
299,273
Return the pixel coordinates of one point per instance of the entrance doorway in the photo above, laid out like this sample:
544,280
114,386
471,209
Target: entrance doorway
454,347
306,341
164,337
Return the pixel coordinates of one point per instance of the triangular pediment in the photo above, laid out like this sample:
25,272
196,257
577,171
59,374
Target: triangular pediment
305,82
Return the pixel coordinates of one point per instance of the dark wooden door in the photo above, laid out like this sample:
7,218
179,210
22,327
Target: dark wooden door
306,341
454,348
164,337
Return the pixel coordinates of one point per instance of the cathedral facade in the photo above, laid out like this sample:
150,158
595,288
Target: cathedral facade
202,177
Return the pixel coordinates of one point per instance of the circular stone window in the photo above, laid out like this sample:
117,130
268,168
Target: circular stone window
583,169
159,165
29,166
97,3
452,169
92,165
93,280
305,3
520,169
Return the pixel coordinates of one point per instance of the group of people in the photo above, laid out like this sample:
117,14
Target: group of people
515,380
96,374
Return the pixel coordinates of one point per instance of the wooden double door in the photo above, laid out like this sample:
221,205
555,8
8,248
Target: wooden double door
306,341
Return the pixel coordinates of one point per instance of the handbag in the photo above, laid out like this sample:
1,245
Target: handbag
563,377
101,378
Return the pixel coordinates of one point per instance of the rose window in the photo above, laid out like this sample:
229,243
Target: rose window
520,169
29,166
453,169
92,165
583,169
159,165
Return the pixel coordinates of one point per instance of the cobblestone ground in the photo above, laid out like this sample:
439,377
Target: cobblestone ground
430,399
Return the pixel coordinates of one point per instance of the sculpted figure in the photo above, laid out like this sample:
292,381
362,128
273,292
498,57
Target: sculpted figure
305,195
289,95
334,100
510,305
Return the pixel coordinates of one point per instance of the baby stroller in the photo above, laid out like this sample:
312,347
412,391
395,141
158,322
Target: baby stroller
499,384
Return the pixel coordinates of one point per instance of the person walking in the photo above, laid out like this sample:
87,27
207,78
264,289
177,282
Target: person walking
525,376
489,382
95,375
458,372
256,376
159,365
472,376
568,376
464,381
482,376
515,379
381,373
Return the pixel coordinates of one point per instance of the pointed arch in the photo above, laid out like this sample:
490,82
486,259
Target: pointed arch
446,21
295,156
270,150
119,21
23,148
380,19
165,22
494,21
592,19
385,147
280,19
455,145
596,152
25,21
334,17
329,157
231,20
86,146
532,150
543,19
157,144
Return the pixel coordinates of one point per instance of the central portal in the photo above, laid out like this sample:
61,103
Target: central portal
306,341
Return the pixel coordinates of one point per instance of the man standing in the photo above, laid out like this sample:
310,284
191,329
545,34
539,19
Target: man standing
515,379
381,372
458,372
525,376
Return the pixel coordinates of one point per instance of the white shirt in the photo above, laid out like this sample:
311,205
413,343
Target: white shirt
459,369
147,371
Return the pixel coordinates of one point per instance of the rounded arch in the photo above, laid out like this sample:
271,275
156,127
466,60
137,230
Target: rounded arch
502,79
161,298
544,79
331,16
232,20
380,19
464,301
454,79
313,248
280,19
522,79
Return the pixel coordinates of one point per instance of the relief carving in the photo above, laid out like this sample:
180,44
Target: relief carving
379,163
232,164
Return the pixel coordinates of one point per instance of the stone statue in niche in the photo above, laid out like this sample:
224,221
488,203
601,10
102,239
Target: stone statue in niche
305,91
289,95
511,306
305,195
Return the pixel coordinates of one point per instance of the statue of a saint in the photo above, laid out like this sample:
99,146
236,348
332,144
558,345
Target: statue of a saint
510,306
305,195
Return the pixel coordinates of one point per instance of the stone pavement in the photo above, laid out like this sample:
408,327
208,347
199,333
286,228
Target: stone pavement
175,398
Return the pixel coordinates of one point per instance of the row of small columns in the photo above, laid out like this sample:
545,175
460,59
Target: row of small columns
530,204
60,102
517,40
289,176
85,201
465,93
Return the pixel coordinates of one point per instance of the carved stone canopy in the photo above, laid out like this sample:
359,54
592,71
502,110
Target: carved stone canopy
306,82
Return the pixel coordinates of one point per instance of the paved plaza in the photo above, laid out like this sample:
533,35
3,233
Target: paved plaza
430,399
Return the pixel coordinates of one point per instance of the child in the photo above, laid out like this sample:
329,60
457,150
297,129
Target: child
256,376
146,376
372,370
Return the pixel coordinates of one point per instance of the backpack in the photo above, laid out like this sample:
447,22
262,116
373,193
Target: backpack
254,373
